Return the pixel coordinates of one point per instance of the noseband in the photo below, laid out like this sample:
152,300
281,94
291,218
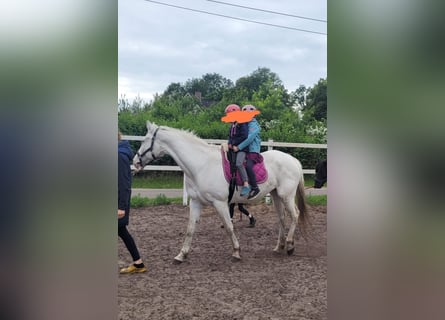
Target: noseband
140,155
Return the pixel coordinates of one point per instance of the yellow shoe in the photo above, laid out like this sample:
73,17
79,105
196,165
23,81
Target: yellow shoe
133,269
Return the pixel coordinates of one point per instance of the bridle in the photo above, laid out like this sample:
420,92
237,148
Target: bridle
140,155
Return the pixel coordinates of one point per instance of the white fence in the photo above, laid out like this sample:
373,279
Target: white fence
270,144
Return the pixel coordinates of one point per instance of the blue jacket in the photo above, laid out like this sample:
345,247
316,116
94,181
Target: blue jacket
253,140
124,177
238,133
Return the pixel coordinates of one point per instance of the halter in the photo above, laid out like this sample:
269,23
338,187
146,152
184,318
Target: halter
140,155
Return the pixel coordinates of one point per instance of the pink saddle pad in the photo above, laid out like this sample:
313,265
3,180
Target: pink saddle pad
258,168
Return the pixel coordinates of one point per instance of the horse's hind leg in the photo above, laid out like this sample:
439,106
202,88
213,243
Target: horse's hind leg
294,213
223,210
279,208
195,212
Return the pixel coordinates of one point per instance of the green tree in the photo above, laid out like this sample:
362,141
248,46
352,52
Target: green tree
299,95
271,101
178,107
175,90
211,86
253,82
316,101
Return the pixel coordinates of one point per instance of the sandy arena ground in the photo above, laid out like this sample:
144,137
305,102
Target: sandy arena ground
209,285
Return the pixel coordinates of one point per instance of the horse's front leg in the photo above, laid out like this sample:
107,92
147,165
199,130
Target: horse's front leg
195,213
223,210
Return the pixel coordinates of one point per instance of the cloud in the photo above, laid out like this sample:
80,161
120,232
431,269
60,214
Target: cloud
159,45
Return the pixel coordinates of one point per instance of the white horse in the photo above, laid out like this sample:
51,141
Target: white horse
206,184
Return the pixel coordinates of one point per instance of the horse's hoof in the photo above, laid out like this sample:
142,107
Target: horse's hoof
236,256
290,251
279,248
177,261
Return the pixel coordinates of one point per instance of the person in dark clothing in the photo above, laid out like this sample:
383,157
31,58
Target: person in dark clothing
237,134
241,208
252,220
253,144
123,211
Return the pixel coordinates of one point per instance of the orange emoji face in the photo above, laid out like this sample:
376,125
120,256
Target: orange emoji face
240,116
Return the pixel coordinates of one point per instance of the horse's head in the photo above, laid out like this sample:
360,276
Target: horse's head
321,174
149,149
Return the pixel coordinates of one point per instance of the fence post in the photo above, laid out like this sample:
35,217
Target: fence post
270,143
184,193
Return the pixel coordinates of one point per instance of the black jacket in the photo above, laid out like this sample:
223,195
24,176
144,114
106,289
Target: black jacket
238,133
124,176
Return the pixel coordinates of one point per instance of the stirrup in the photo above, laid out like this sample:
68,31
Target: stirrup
253,193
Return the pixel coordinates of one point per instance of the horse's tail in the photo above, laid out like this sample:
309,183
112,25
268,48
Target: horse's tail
303,220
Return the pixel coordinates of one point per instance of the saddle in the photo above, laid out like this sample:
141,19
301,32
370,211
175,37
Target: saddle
258,168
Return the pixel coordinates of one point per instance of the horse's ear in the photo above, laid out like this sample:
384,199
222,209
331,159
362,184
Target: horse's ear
149,125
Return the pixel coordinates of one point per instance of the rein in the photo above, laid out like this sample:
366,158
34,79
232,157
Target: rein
232,185
149,149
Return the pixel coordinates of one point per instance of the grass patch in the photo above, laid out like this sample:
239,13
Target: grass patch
138,201
309,180
173,181
319,200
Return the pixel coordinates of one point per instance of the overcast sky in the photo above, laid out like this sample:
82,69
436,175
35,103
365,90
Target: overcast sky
159,44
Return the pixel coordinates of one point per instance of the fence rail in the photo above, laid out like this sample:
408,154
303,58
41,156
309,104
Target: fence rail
270,144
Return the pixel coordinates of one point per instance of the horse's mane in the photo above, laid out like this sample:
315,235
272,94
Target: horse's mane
190,135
